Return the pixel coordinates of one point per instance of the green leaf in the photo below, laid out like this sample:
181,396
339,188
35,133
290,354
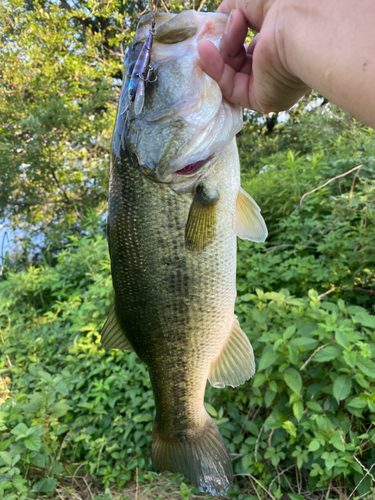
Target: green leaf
6,457
269,396
20,483
366,366
350,358
143,417
252,427
327,353
39,460
305,342
45,485
58,410
290,428
258,380
35,404
289,332
361,380
324,423
19,429
314,445
357,403
293,380
365,319
276,419
342,338
337,441
267,359
45,376
356,310
273,386
274,296
16,459
298,410
329,459
342,387
210,410
247,461
314,406
293,353
33,443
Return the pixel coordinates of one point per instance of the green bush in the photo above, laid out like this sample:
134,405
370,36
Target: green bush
311,402
304,423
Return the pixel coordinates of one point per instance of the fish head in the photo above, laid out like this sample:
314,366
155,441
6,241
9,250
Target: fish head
185,120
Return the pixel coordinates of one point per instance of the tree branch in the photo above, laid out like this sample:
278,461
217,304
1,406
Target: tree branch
328,182
201,5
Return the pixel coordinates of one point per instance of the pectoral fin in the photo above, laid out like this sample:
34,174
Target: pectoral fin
249,224
113,337
201,224
236,362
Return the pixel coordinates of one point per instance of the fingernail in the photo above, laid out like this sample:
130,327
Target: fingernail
228,22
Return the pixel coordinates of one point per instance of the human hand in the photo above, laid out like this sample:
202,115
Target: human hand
257,76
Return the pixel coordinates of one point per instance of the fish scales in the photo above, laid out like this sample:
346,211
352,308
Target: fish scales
179,305
175,208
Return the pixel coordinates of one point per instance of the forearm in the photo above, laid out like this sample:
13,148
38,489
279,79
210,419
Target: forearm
330,46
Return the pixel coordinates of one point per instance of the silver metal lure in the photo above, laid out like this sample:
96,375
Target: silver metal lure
142,71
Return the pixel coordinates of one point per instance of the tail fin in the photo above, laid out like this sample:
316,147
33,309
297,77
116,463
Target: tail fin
201,455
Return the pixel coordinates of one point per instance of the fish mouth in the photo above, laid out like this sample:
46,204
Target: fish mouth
193,168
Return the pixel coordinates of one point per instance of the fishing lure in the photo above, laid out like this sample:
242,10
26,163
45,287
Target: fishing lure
142,71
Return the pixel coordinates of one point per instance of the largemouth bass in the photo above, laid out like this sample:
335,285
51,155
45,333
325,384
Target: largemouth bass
175,209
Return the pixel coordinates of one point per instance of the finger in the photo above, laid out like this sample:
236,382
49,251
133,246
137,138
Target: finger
254,11
227,6
250,48
212,61
234,85
231,45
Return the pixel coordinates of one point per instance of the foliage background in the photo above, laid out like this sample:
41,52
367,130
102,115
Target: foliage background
75,420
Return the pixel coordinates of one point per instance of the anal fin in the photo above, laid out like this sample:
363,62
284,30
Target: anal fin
113,336
236,362
201,224
249,224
